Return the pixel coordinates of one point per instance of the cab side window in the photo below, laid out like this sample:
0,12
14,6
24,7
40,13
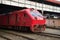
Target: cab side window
25,15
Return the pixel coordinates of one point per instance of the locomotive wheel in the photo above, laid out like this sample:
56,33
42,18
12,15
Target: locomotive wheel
25,29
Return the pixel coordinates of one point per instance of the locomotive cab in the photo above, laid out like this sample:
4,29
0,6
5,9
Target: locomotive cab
37,21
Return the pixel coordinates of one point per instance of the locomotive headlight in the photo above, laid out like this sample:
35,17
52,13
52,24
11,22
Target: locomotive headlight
41,18
38,18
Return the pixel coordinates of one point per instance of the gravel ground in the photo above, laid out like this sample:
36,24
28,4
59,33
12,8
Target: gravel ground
30,35
2,38
46,38
11,37
53,31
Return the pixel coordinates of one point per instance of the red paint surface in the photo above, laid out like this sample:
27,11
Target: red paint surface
21,18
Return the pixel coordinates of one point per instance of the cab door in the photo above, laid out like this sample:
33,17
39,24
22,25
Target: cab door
26,19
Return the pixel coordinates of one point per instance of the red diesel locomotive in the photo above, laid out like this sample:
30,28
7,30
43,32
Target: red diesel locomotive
24,19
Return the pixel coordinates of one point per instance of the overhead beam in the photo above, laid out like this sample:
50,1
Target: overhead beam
30,4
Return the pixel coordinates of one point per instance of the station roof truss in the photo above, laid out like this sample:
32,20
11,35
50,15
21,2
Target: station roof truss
31,4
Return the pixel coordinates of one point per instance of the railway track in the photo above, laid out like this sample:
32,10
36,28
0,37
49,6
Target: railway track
48,34
31,36
4,38
13,36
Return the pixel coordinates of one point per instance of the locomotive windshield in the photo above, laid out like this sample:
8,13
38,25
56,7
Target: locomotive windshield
36,14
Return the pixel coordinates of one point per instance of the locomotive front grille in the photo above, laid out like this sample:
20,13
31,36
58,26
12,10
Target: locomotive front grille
38,28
